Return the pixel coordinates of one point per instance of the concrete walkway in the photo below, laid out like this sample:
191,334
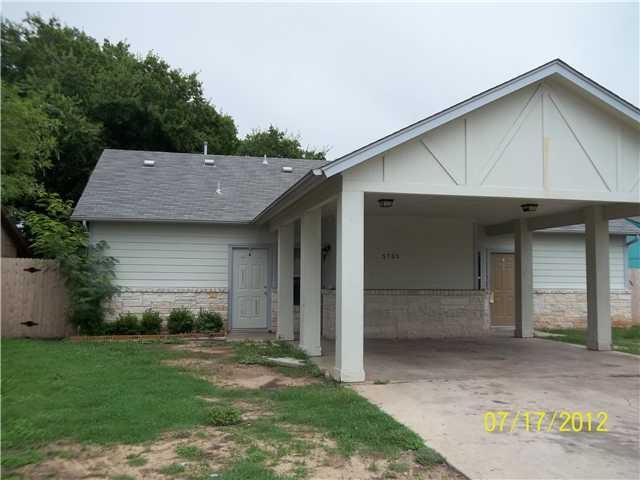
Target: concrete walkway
443,388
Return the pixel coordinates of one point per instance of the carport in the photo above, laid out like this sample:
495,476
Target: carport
442,389
389,234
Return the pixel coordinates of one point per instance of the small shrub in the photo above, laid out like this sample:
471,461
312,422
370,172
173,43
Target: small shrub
180,320
426,456
222,415
136,460
190,452
208,321
151,322
173,469
126,324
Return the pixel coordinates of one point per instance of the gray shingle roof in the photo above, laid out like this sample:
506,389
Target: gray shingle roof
616,227
181,188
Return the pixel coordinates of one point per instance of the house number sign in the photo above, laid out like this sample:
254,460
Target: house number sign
390,256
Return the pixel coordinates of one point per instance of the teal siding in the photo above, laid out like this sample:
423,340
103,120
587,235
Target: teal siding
634,251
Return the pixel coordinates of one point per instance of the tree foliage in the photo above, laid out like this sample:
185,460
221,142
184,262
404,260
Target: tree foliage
274,142
103,95
28,141
71,96
88,271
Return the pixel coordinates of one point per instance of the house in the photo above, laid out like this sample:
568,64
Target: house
459,224
13,242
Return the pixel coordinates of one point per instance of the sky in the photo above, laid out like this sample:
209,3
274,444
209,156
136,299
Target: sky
343,75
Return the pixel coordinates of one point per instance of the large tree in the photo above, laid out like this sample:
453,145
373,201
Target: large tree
66,97
28,143
274,142
102,95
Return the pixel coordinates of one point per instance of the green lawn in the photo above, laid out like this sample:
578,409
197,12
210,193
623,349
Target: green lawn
624,339
122,393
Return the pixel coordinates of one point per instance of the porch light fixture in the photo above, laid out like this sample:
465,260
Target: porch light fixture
385,202
529,207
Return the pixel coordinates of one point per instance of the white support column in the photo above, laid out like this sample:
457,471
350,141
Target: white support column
598,308
285,281
524,279
350,288
310,281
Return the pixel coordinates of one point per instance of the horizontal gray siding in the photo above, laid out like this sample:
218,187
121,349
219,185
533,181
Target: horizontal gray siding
559,262
157,255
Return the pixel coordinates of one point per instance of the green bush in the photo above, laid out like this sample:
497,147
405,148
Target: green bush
221,415
126,324
180,320
151,322
89,273
208,321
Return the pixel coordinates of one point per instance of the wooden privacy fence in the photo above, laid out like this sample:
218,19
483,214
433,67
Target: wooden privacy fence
33,299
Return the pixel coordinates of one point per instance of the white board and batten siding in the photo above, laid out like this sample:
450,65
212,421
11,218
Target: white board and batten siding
547,140
559,261
164,255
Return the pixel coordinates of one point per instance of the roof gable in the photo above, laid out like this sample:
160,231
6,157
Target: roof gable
556,68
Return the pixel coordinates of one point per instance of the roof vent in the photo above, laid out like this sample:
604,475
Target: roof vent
219,189
209,162
206,147
149,163
264,160
287,169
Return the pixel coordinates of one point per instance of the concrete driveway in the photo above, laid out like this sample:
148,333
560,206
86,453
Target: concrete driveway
443,388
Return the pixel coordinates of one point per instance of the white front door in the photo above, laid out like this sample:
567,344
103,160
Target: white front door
250,288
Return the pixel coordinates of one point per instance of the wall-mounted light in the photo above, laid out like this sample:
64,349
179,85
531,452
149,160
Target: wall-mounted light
529,207
385,202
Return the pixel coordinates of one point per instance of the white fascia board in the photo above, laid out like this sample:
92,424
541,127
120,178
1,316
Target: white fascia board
420,128
598,91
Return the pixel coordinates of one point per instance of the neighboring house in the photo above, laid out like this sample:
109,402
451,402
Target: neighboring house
425,232
13,242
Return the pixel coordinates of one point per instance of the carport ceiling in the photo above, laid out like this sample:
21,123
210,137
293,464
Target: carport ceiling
485,211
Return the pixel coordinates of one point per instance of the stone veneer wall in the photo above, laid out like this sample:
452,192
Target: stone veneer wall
404,314
137,300
568,308
394,313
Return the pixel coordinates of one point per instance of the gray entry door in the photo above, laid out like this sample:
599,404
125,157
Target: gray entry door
250,288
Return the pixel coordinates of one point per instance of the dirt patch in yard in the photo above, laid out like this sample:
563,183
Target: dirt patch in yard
258,376
210,362
318,458
74,462
216,350
322,464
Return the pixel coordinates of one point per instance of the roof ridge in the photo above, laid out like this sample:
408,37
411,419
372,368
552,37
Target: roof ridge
161,152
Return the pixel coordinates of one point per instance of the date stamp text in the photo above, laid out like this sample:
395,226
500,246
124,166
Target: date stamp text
501,421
